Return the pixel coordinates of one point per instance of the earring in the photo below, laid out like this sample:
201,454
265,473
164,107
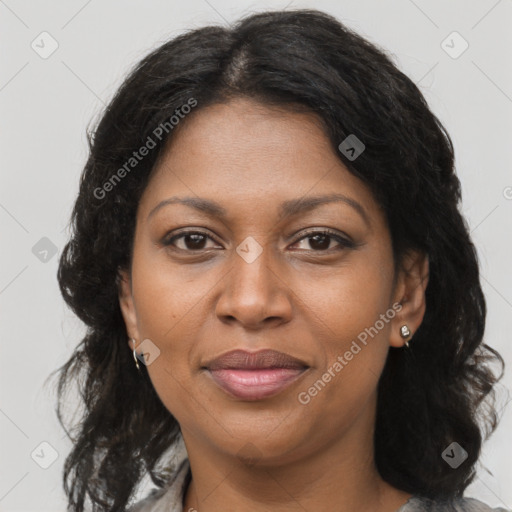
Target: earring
405,333
135,355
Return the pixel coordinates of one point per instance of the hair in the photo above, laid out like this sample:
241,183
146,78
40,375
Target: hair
428,396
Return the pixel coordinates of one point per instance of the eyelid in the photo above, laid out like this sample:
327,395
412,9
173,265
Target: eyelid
169,237
344,241
325,231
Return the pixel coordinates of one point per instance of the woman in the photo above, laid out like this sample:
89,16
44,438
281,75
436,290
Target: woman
282,298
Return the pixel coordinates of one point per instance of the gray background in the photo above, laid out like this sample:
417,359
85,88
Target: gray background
46,104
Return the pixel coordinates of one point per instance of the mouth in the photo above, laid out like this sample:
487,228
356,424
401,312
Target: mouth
255,375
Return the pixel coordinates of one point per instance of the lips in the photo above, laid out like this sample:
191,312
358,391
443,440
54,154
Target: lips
263,359
255,375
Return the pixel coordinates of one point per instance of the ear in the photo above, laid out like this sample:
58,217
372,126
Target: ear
410,293
127,306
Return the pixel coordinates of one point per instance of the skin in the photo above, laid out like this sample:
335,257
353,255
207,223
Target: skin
196,302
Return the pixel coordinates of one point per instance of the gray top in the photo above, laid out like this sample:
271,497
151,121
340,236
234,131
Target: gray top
169,499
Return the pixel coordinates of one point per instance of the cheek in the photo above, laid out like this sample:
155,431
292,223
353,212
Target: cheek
166,315
353,307
351,299
167,297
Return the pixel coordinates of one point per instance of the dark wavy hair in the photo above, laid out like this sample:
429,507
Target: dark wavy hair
428,396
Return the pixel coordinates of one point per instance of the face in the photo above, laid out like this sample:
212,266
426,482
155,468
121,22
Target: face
255,264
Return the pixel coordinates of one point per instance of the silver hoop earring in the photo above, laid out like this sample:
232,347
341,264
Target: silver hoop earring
405,333
135,354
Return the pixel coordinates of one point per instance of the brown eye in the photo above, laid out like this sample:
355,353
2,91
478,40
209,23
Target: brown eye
190,241
320,241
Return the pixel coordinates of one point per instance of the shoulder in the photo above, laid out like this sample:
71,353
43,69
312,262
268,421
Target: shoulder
168,498
417,504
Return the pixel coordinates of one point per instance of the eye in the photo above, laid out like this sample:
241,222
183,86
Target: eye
320,241
191,240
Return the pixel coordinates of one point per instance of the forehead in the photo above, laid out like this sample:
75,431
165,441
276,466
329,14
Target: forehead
243,134
241,151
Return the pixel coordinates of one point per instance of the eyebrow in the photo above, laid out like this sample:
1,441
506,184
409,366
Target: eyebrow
288,208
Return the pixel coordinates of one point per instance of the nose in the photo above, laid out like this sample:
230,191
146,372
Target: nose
255,293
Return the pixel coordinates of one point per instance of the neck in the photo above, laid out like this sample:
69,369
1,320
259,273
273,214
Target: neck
340,476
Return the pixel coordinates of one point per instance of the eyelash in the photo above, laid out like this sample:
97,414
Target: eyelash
343,242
